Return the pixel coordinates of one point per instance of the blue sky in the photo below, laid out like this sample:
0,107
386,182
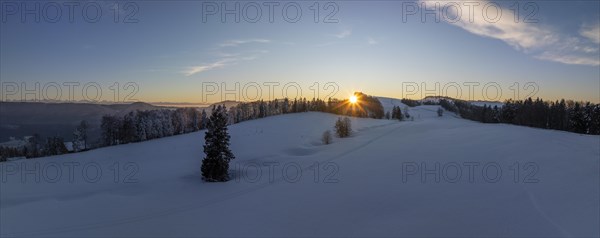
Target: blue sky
375,47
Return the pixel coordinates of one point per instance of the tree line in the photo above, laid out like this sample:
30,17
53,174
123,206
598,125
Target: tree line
578,117
368,106
137,126
140,126
35,147
146,125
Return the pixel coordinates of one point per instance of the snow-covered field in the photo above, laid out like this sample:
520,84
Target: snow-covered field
494,180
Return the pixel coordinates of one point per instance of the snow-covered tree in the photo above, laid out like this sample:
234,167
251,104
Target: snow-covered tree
397,113
128,132
215,165
55,146
406,114
110,127
204,120
33,148
80,137
326,138
195,126
343,127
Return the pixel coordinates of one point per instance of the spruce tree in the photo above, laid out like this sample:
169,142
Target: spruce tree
215,165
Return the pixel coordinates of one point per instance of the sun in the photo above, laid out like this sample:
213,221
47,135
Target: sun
353,99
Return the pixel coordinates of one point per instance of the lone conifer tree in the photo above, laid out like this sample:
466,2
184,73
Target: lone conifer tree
215,165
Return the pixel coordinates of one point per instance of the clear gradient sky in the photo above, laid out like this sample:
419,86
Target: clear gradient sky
375,47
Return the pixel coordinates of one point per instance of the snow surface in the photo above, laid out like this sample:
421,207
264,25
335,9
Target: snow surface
389,103
366,196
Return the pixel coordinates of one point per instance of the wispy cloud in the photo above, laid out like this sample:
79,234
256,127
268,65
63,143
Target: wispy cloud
233,43
343,34
568,59
205,67
541,41
591,32
221,63
225,59
372,41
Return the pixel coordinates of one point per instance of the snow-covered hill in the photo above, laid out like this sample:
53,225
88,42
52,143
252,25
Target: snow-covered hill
389,103
368,185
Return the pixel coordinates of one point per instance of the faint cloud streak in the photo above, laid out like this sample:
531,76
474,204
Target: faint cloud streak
225,58
201,68
234,43
343,34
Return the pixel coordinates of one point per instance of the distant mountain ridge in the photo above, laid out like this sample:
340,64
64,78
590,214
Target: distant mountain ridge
50,113
18,119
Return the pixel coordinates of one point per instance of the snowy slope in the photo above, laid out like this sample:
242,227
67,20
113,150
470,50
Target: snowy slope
359,190
389,103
